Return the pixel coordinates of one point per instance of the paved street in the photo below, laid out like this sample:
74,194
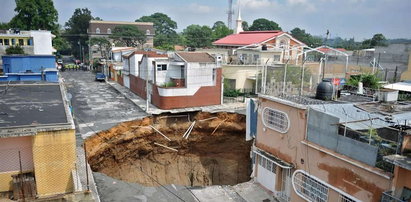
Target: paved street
96,105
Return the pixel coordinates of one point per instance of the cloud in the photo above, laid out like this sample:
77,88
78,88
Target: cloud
203,9
302,5
257,4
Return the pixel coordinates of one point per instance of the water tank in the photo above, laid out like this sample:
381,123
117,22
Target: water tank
325,90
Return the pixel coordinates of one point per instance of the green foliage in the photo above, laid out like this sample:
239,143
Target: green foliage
166,47
197,36
262,24
103,45
245,26
14,50
220,30
376,40
34,15
368,80
168,84
4,25
129,36
165,28
61,45
76,30
306,38
232,92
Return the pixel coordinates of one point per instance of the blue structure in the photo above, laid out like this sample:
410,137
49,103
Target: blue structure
29,68
27,63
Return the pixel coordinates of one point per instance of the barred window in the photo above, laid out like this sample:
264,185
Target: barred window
309,188
276,120
267,164
344,198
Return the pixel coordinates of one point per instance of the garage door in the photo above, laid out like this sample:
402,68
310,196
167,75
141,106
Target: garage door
266,173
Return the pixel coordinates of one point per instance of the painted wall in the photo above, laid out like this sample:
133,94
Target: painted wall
42,42
18,64
241,74
402,178
9,158
54,158
364,182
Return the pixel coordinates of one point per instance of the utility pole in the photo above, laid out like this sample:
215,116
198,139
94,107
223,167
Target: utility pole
395,74
147,91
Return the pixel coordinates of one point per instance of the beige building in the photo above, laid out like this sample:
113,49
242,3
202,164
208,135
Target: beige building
407,74
315,150
37,141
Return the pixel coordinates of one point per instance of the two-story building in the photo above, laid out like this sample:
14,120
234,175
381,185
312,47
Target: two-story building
33,42
314,150
179,80
99,28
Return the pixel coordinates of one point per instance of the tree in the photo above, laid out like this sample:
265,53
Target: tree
220,30
61,45
217,24
103,45
34,15
162,23
306,38
262,24
76,30
12,50
245,25
129,35
197,36
165,29
378,40
4,25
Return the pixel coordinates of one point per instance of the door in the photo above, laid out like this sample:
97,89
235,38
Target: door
127,81
266,173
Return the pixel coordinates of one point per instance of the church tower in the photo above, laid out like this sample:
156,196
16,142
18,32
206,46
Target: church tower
239,25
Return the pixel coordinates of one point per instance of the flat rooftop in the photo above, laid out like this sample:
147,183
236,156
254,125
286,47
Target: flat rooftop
32,105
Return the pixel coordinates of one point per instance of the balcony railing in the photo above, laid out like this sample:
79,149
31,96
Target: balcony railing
388,197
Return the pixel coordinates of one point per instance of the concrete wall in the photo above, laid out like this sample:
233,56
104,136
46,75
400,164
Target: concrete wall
406,75
54,159
402,178
323,130
42,42
18,64
357,179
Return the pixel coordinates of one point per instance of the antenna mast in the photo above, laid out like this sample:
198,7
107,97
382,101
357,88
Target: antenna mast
230,13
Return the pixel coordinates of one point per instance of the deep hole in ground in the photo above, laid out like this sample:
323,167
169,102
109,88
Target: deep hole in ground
215,152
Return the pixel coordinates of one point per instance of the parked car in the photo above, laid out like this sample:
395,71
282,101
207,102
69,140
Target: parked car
100,76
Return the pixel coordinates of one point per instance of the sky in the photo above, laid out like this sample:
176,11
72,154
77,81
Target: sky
360,19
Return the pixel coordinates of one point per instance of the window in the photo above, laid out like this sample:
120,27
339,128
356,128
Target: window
309,188
344,198
267,163
13,42
277,57
108,31
147,32
161,67
276,120
1,41
29,42
21,42
6,42
98,31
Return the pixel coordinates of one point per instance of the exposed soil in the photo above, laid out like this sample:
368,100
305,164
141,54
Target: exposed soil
215,152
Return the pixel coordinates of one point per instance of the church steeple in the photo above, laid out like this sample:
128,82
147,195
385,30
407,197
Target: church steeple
239,22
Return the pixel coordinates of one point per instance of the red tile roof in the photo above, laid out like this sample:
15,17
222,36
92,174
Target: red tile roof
247,38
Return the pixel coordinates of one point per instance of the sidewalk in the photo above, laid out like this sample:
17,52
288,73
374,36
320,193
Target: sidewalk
141,103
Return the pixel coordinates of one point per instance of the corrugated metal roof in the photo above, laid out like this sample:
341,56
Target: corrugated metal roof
350,113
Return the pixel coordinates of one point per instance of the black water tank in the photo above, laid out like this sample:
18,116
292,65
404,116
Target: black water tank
325,90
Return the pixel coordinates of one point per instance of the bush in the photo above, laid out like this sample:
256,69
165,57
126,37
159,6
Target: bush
14,50
169,84
368,80
232,93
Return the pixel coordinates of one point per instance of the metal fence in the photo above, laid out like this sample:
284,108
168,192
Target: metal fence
40,171
388,197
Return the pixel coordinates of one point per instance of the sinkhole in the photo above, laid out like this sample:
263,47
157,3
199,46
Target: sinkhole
152,151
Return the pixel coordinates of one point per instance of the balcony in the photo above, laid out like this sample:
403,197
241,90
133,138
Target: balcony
388,197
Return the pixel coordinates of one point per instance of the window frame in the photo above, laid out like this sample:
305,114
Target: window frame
97,30
161,66
273,127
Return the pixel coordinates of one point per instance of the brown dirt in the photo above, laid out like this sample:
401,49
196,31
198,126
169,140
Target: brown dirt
127,151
